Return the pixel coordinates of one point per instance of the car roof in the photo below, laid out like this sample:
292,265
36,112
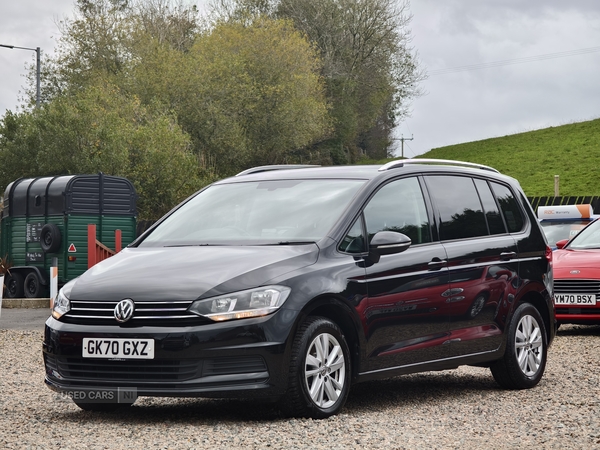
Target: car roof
365,172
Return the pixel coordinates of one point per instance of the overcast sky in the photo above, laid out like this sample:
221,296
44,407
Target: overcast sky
534,64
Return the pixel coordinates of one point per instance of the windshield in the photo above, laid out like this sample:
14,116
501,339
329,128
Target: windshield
557,231
265,212
587,238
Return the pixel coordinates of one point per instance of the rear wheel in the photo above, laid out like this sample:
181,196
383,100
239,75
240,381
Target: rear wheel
14,285
33,286
319,378
524,361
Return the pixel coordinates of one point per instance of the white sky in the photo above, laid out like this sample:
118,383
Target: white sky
461,106
478,104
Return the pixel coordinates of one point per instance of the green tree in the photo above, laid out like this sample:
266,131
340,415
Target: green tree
370,70
107,38
140,89
252,95
246,93
101,129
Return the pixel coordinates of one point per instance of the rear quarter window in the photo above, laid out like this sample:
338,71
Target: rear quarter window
512,212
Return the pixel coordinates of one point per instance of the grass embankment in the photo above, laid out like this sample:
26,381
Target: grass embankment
570,151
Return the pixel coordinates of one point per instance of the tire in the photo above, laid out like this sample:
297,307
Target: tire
318,387
14,285
102,407
50,238
524,360
33,286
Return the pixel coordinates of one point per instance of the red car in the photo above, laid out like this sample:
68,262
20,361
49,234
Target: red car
577,277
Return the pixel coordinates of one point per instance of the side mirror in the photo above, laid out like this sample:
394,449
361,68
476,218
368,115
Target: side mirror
388,243
562,243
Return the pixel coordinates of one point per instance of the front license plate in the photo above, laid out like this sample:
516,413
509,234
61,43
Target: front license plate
118,348
575,299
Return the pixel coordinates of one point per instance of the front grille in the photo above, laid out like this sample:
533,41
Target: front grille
152,370
575,286
84,370
145,313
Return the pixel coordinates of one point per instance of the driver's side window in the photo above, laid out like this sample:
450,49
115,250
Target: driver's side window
399,206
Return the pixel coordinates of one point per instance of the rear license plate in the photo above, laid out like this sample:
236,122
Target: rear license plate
575,299
118,348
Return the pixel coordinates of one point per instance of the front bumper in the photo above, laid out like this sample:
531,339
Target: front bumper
241,358
581,316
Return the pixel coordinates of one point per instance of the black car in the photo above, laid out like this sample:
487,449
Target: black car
291,283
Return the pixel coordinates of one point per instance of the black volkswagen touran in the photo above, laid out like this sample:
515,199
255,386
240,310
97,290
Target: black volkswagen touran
292,283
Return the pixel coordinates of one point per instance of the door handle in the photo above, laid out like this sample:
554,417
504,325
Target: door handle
507,256
437,264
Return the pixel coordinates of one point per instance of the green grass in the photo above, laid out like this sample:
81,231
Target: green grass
570,151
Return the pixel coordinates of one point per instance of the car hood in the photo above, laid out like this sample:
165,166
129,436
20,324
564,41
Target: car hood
187,273
586,262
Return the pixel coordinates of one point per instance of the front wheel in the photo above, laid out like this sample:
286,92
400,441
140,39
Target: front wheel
319,378
524,361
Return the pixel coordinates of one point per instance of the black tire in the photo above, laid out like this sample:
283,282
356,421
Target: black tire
14,285
50,238
330,380
102,407
524,360
33,287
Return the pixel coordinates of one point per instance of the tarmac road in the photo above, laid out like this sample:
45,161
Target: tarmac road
23,318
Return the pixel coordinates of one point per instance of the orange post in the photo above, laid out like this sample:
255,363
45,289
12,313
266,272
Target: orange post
117,241
91,245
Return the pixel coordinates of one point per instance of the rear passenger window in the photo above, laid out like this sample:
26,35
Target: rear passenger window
399,206
492,213
510,208
457,200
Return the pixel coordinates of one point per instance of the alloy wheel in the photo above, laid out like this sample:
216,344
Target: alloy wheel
324,370
529,345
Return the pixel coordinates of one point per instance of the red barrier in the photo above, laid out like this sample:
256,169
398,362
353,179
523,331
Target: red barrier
97,251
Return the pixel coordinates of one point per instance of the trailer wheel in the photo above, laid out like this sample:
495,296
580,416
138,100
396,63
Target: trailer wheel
14,285
50,238
33,286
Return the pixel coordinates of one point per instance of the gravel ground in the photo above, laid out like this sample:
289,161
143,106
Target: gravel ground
462,408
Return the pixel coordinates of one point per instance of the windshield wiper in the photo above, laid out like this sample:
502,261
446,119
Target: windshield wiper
293,243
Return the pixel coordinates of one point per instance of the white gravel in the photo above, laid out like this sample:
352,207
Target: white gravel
462,408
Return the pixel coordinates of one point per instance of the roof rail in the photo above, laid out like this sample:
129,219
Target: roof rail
402,162
275,167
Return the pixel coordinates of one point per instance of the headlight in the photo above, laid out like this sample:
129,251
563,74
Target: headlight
61,305
240,305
